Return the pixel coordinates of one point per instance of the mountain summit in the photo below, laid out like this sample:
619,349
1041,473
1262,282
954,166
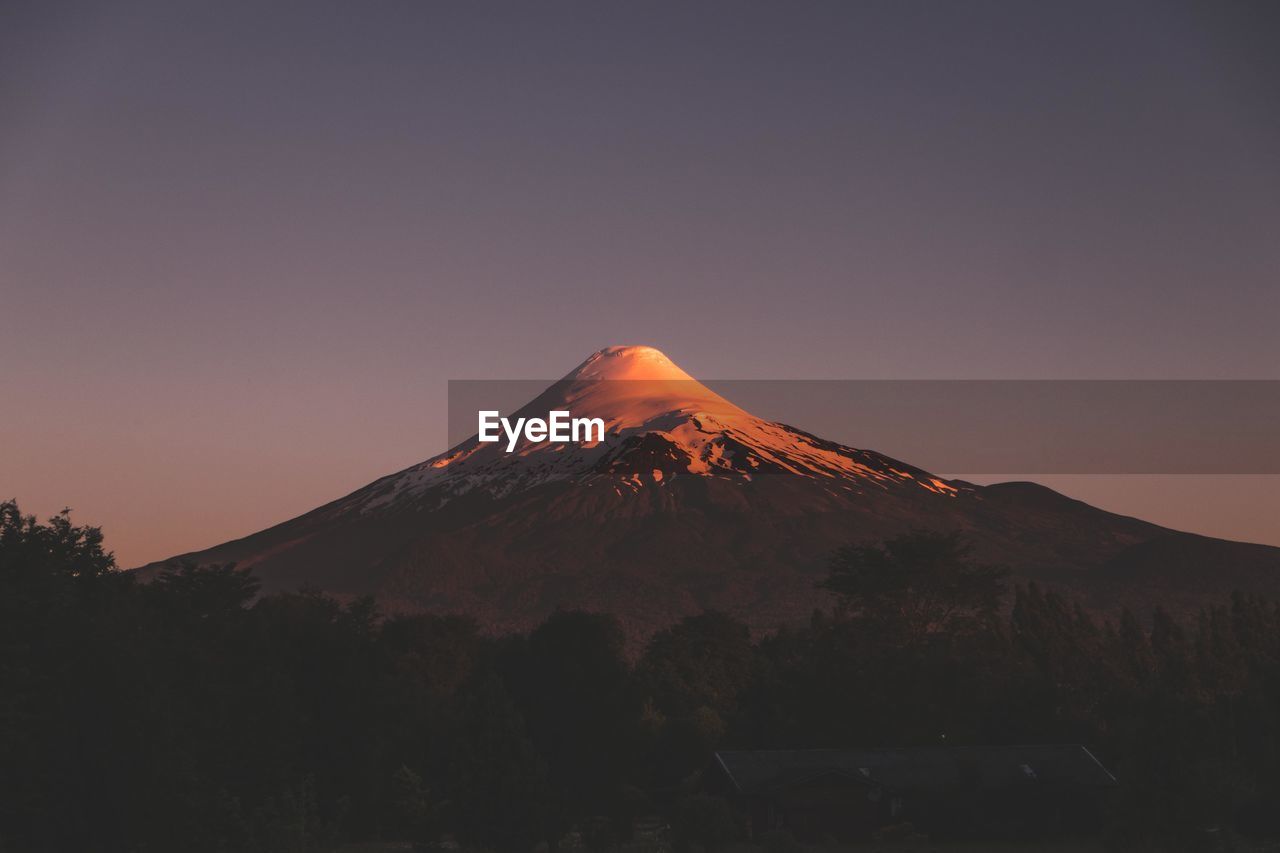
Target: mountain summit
689,503
629,362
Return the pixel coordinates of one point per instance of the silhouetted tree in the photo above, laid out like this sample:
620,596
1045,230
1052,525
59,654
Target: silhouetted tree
690,677
916,584
571,681
504,798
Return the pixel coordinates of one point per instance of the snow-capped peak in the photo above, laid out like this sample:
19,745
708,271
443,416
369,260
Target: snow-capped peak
661,424
633,388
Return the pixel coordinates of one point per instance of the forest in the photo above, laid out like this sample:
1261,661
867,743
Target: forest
194,713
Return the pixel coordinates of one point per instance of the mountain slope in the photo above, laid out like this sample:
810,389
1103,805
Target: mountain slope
689,502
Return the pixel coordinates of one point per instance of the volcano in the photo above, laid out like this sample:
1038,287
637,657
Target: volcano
692,503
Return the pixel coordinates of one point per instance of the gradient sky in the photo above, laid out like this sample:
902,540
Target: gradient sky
243,249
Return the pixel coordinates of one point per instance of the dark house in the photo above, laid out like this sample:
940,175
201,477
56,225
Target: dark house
958,792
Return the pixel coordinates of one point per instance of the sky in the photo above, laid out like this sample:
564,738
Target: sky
244,246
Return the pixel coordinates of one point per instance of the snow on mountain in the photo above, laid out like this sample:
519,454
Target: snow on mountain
661,424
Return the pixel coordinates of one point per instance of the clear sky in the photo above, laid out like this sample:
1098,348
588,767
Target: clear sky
243,246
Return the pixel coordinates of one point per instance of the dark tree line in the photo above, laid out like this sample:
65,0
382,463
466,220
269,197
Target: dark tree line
192,714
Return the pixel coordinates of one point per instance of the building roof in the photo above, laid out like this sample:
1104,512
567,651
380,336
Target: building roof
918,768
